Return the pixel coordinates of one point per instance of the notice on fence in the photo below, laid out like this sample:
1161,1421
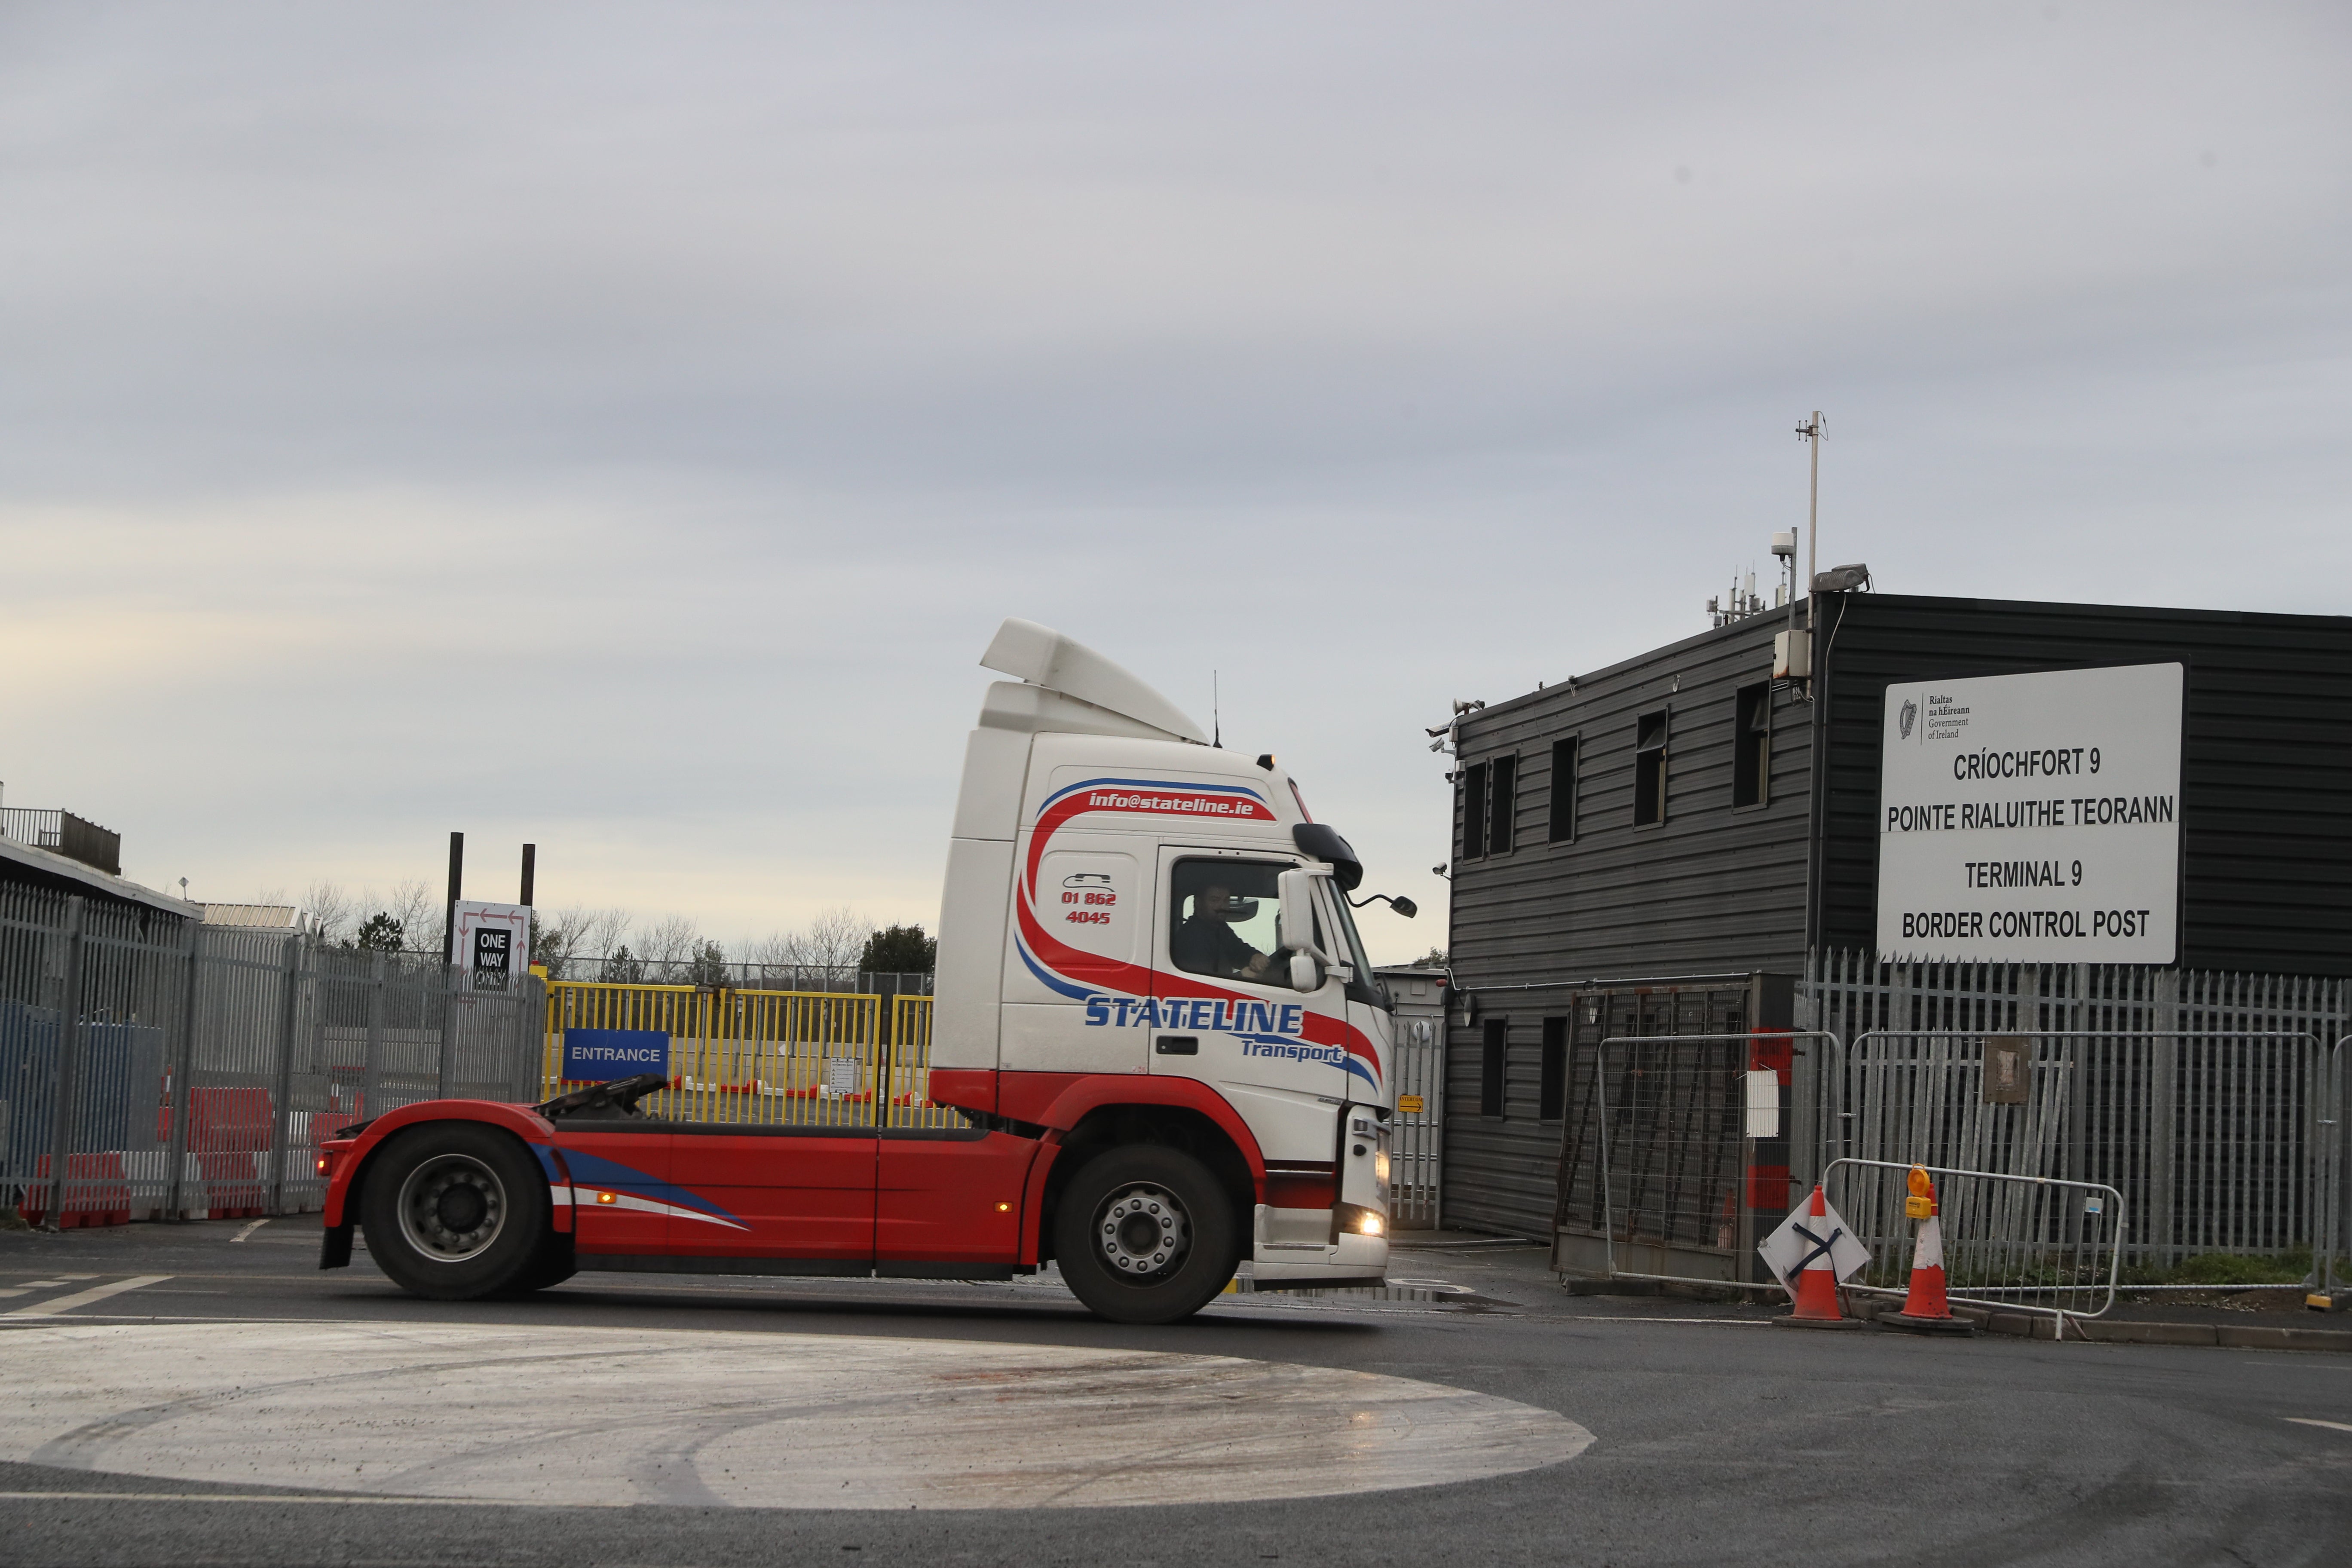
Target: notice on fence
2032,818
601,1056
491,944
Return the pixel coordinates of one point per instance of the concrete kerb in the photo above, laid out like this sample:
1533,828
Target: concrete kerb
2114,1332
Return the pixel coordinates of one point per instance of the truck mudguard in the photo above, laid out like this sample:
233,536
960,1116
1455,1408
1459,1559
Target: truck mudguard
350,1161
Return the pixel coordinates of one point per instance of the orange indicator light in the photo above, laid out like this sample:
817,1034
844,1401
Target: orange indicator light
605,1199
1004,1208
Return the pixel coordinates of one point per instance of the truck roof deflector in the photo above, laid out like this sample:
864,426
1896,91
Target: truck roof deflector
1044,657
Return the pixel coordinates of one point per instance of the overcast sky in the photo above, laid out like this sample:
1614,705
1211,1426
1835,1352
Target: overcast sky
623,428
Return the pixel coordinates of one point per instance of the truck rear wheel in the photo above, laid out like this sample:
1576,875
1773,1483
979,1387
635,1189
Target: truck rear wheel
456,1210
1146,1235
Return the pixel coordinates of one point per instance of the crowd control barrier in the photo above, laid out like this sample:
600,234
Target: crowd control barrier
2034,1243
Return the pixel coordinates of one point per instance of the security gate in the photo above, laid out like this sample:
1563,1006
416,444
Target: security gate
1675,1156
1417,1148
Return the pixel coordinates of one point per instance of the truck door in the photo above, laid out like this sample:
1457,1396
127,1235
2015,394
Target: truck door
1224,1012
1077,974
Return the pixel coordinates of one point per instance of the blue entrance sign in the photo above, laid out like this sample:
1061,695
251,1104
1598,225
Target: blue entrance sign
600,1056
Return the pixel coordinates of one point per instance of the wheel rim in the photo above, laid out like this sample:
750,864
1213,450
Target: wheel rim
452,1208
1143,1231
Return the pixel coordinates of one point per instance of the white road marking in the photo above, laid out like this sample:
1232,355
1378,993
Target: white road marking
517,1412
299,1498
16,1291
249,1230
2331,1426
1612,1318
51,1308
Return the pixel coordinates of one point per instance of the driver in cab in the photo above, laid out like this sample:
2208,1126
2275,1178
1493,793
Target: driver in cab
1205,942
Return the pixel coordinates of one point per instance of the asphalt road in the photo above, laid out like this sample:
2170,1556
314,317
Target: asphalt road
1713,1437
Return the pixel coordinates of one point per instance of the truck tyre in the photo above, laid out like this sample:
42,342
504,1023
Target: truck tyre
554,1264
1146,1235
456,1211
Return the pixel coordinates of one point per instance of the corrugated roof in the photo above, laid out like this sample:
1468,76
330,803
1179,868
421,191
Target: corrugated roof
48,863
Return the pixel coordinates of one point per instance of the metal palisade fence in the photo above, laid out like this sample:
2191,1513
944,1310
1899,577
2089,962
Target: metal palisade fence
2215,1103
164,1068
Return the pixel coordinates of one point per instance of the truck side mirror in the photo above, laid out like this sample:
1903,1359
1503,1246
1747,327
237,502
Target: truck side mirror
1297,888
1305,972
1404,905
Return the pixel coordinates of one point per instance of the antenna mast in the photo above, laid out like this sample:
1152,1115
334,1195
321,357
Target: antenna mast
1216,718
1813,430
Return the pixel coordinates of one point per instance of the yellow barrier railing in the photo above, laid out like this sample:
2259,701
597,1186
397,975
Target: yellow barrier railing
764,1057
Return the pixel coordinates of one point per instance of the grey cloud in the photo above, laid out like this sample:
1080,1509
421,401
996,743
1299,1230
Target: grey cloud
729,371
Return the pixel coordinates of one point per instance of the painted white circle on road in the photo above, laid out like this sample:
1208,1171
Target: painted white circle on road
552,1414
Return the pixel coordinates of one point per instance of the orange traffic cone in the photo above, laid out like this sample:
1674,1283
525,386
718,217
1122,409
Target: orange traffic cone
1926,1310
1817,1297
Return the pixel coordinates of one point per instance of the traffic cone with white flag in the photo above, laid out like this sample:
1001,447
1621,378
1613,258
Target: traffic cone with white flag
1926,1310
1815,1280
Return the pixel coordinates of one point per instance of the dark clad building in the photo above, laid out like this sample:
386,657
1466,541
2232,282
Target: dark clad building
1683,819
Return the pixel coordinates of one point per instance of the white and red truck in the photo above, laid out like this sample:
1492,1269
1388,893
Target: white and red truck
1152,1009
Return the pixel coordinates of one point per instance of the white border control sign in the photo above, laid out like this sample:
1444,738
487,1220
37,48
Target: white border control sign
2032,818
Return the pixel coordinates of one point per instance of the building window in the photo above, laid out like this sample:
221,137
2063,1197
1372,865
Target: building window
1650,769
1490,1066
1562,828
1502,787
1751,757
1551,1085
1474,811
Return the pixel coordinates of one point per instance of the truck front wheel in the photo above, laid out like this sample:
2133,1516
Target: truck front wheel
1146,1235
456,1210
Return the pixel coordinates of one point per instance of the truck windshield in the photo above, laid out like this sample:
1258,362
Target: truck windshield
1366,987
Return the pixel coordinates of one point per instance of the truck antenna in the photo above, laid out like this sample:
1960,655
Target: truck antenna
1216,722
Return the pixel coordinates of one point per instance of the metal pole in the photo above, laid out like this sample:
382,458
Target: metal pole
280,1115
1813,512
61,1115
456,888
445,1076
183,1066
529,873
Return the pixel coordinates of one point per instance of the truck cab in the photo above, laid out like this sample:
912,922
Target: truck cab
1152,1009
1133,913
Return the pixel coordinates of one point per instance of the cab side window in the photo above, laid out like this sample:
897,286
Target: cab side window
1225,919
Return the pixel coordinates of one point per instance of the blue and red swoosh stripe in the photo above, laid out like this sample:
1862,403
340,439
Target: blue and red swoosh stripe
1075,974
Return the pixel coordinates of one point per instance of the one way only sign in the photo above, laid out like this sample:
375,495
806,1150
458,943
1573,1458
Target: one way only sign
1804,1236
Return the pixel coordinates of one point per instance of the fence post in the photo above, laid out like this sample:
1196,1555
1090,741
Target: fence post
2164,1142
281,1114
61,1107
446,1074
183,1067
372,1058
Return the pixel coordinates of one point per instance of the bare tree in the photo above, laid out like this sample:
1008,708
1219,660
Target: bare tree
336,910
834,940
576,941
420,915
674,938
